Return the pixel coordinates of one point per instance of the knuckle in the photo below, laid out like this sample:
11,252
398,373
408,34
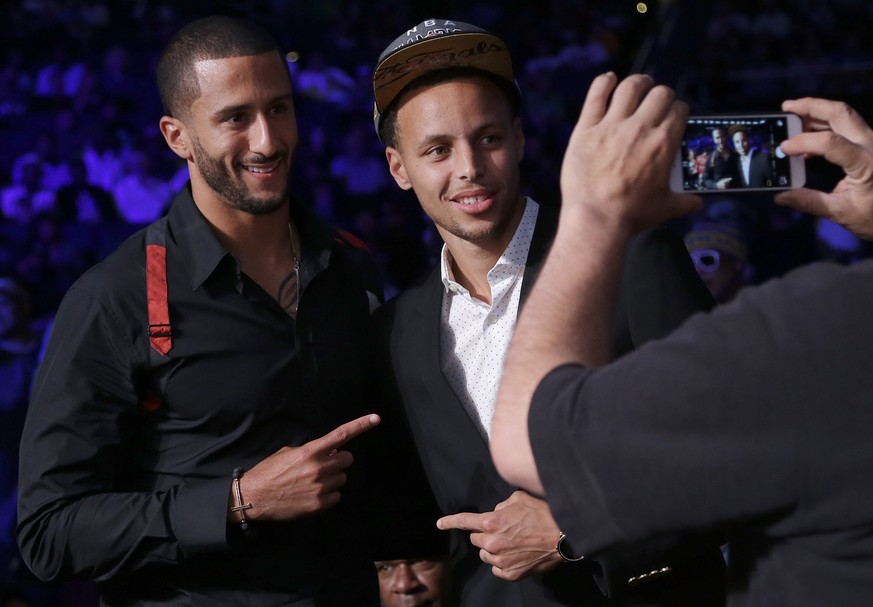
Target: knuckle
492,544
832,138
488,524
305,451
340,435
665,92
845,109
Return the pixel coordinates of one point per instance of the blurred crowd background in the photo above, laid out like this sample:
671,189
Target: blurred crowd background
83,165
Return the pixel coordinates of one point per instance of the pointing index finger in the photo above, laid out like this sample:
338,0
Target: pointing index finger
465,521
346,432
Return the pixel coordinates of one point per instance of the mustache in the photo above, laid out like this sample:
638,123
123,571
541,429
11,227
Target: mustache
261,159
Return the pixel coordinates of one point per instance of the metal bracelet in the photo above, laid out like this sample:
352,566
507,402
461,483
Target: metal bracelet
240,506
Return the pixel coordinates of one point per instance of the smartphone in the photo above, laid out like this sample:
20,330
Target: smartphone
736,153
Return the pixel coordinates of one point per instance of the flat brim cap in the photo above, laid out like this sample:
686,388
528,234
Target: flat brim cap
432,45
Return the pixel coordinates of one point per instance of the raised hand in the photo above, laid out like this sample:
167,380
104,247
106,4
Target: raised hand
517,539
615,180
304,480
618,160
835,131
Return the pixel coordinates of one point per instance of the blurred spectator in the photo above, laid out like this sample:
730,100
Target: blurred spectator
415,582
102,154
836,243
579,51
320,81
19,350
83,202
726,22
141,195
15,83
544,104
54,161
772,21
48,261
719,252
399,242
120,77
359,167
49,84
25,196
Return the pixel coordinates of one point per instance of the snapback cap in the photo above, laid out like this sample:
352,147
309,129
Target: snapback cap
432,45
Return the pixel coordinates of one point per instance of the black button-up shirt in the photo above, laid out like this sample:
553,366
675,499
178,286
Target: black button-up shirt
138,499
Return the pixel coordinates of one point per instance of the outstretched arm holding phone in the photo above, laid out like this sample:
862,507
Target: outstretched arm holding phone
832,129
606,195
752,419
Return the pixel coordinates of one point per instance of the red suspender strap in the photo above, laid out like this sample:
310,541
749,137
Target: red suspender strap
156,289
347,237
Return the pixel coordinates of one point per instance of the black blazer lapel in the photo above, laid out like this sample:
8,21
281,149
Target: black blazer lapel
435,411
544,234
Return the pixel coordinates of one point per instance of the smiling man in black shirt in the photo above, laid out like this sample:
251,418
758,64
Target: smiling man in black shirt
186,439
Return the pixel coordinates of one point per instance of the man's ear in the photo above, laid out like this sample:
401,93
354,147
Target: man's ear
397,169
176,137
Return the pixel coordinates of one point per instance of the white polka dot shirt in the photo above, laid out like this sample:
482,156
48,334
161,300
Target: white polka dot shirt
474,336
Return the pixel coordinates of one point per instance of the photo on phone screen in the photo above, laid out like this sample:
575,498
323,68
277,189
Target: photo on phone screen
737,153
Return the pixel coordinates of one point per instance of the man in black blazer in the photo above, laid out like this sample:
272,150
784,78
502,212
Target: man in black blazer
753,166
447,110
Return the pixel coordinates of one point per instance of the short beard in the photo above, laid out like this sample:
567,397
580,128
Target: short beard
479,237
231,188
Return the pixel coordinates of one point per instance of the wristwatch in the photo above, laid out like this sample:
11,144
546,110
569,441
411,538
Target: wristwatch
566,551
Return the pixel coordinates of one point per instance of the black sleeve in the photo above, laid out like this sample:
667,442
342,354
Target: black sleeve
78,515
697,429
659,290
406,509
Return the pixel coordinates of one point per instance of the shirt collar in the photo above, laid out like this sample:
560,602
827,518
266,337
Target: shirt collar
202,252
512,258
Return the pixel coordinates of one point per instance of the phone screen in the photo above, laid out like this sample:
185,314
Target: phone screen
739,152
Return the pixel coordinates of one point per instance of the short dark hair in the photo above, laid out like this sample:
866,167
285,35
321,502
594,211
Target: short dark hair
739,128
388,126
216,37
